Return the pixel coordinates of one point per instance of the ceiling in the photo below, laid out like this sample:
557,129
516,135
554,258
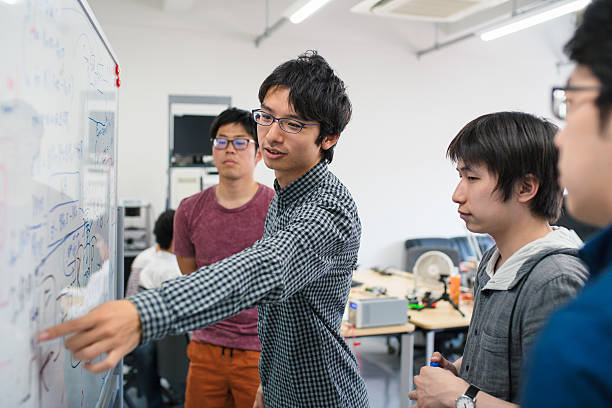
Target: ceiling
247,20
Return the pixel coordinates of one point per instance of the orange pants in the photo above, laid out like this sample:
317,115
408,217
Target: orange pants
221,377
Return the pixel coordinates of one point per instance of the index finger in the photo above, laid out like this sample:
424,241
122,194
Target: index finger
63,329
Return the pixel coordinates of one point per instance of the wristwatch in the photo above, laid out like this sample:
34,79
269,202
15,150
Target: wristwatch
468,398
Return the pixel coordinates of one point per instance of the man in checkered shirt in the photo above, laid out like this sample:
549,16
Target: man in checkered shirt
298,274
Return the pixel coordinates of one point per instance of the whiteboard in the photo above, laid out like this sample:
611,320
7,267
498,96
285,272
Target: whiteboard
58,218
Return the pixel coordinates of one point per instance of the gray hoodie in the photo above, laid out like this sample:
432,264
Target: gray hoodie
498,338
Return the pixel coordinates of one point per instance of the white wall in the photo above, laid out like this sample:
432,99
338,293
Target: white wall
406,111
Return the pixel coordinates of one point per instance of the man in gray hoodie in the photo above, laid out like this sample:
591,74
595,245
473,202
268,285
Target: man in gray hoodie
509,189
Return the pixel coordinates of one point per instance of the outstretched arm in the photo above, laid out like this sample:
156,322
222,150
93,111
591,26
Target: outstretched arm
113,328
270,271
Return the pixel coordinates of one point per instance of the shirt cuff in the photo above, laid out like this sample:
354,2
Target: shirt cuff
155,317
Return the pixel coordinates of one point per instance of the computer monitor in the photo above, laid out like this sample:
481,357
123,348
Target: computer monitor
192,136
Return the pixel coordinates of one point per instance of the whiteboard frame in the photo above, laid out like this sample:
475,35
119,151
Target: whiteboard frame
96,25
112,392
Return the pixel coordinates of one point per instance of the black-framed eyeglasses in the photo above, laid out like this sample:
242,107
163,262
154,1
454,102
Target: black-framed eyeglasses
559,98
220,143
288,125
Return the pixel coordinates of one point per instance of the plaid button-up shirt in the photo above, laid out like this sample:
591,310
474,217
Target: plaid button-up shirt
299,275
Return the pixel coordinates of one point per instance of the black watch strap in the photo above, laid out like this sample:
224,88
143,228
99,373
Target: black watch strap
472,391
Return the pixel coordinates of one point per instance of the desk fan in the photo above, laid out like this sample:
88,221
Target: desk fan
432,268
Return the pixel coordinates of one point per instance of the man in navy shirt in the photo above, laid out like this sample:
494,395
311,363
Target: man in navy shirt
571,361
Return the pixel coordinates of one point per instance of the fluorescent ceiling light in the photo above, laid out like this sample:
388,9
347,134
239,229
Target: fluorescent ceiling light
541,17
302,10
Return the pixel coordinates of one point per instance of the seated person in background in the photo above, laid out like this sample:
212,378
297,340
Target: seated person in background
141,260
570,363
160,265
212,225
509,189
163,264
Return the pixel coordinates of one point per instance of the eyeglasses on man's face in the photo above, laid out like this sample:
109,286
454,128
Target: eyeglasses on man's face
221,143
288,125
559,98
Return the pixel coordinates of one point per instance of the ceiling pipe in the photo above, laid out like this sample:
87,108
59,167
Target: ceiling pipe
296,13
269,30
514,16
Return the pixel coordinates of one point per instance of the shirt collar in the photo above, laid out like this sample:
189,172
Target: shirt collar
597,252
303,184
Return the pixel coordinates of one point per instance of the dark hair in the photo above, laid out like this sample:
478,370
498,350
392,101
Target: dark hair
164,227
591,46
512,145
315,93
235,115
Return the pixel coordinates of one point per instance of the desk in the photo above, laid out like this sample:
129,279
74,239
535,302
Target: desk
441,318
401,283
406,363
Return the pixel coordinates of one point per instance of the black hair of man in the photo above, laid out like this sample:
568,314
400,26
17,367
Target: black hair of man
591,46
512,145
235,115
164,228
315,93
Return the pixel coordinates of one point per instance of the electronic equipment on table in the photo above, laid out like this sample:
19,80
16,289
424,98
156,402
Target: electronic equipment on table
138,234
379,311
432,268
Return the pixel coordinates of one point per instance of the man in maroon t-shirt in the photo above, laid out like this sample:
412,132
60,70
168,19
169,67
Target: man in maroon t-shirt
209,226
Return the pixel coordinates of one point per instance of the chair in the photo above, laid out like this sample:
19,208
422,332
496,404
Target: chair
172,366
141,372
460,244
129,380
413,253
